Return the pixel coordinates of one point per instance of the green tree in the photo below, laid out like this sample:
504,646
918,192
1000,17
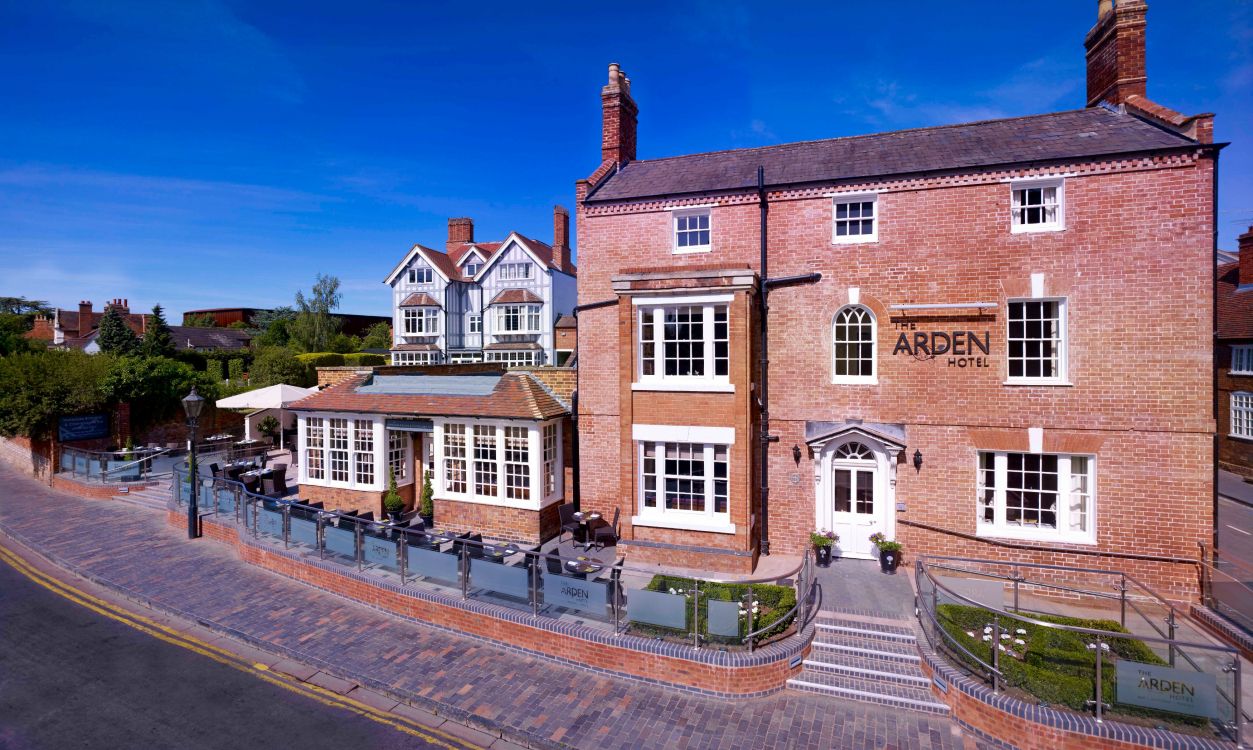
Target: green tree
36,388
200,320
276,364
23,306
154,386
314,325
158,341
115,337
270,327
13,328
378,337
342,343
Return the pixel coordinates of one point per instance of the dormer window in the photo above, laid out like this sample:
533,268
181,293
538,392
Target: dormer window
423,275
472,268
515,271
691,231
1038,206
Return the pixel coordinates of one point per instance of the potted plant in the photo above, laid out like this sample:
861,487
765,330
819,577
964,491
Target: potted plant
426,507
889,556
393,503
823,541
268,426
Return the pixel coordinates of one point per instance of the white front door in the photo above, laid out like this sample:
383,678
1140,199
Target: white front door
853,496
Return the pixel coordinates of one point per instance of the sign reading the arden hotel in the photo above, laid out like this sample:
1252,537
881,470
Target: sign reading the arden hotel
1179,690
960,348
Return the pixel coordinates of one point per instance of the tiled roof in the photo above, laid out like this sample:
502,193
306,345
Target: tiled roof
516,395
68,320
419,299
515,296
415,348
1059,136
566,321
513,346
1235,308
186,337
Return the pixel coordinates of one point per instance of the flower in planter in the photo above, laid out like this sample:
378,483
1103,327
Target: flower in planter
672,592
970,633
987,637
1020,642
1005,636
987,629
1021,631
823,538
1105,647
877,538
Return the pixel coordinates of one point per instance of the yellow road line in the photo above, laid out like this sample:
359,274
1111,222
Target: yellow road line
222,656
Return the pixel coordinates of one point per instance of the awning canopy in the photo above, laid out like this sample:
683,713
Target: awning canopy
270,397
410,425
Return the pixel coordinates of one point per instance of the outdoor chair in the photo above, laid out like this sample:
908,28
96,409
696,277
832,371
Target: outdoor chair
215,470
279,478
268,487
615,582
369,516
250,484
565,513
607,532
553,561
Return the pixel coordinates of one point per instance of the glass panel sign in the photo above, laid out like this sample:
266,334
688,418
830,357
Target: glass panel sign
430,563
270,522
1181,691
340,540
379,551
575,593
658,608
226,499
500,579
724,618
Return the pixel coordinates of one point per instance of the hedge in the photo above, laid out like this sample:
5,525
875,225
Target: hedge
364,359
320,359
774,605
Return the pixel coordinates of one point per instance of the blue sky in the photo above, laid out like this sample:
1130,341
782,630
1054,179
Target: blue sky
201,153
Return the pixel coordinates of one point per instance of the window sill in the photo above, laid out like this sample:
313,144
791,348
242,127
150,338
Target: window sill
869,239
1037,229
1243,438
1037,382
1240,373
683,524
701,386
495,501
692,250
1027,535
854,381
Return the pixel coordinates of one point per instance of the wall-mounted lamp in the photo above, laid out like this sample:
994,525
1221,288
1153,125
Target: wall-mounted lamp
917,460
796,454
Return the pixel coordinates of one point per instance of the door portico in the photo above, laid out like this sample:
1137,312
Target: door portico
855,487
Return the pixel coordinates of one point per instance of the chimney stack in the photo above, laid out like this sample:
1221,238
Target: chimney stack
618,118
1115,52
84,318
561,239
460,231
1245,245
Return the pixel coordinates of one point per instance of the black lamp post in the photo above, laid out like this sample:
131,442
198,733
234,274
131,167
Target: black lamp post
192,404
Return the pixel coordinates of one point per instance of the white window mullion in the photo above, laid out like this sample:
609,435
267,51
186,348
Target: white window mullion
1064,490
501,477
1001,467
709,474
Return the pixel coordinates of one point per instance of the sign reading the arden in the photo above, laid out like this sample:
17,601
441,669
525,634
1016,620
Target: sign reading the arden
1179,690
961,347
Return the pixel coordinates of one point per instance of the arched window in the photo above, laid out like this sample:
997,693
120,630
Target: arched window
854,452
854,345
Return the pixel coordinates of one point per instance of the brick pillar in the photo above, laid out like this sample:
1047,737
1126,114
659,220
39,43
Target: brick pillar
122,429
561,239
460,231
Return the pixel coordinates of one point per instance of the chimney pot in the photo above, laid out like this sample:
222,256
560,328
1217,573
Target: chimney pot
1115,53
618,118
1103,7
561,239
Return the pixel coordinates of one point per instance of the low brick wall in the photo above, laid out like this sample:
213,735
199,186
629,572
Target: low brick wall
687,556
496,522
707,672
336,498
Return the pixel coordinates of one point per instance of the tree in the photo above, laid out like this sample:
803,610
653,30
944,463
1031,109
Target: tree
276,364
314,326
270,327
378,337
37,388
115,337
342,343
158,341
154,386
23,306
200,320
13,328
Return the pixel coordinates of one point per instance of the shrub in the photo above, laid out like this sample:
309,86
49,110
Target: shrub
427,508
236,369
363,359
277,364
314,360
392,501
774,606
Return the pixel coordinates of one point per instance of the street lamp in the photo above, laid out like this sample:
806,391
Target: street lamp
192,404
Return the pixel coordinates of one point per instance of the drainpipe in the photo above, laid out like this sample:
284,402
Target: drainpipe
574,398
763,377
1214,354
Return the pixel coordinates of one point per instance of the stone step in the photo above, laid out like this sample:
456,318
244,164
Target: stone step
864,630
911,697
867,669
879,647
876,624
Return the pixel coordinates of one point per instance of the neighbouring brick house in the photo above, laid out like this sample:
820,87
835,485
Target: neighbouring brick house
952,319
1233,357
482,301
77,329
501,438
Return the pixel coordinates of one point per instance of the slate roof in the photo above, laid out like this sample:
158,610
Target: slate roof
516,296
419,299
1059,136
186,337
512,346
1235,308
566,321
515,395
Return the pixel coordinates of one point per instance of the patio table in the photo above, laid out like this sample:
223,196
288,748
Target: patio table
499,553
583,566
586,519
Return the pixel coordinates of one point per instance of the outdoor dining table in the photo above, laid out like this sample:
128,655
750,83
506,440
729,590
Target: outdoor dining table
586,519
583,566
498,552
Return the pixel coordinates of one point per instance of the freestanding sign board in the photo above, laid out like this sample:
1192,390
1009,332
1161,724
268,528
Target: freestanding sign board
1182,691
82,427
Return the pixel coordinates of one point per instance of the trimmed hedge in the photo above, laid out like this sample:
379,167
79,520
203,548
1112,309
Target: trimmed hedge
320,359
774,605
364,359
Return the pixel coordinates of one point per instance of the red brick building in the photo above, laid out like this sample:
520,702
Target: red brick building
988,339
1233,357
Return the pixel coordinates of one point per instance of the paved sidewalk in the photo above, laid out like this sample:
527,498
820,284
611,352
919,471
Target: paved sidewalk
531,700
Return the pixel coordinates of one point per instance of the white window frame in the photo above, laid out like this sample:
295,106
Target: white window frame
421,275
516,271
474,323
314,448
415,358
419,321
550,445
1066,492
873,377
658,381
1062,377
458,358
535,499
1016,212
399,450
472,268
854,239
516,357
684,214
1241,359
1240,415
378,448
528,314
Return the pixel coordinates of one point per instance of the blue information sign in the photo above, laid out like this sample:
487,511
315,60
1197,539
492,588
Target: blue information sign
82,427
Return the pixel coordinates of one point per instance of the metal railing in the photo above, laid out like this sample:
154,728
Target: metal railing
1156,630
1225,587
108,466
613,596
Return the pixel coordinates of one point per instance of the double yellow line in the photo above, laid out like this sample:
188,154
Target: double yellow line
222,656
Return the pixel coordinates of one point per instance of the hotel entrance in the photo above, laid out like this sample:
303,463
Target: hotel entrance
854,482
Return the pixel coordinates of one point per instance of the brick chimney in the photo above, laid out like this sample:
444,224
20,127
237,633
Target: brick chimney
618,118
84,318
1245,245
561,239
1115,52
460,231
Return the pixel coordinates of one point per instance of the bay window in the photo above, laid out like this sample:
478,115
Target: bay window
363,451
518,319
342,451
499,463
314,446
1041,496
686,346
683,477
421,321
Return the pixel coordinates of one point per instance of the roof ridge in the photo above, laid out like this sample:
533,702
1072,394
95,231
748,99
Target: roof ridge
870,135
544,387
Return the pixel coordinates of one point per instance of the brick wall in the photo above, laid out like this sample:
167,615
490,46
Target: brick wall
496,522
1234,454
560,380
1138,287
328,376
338,498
